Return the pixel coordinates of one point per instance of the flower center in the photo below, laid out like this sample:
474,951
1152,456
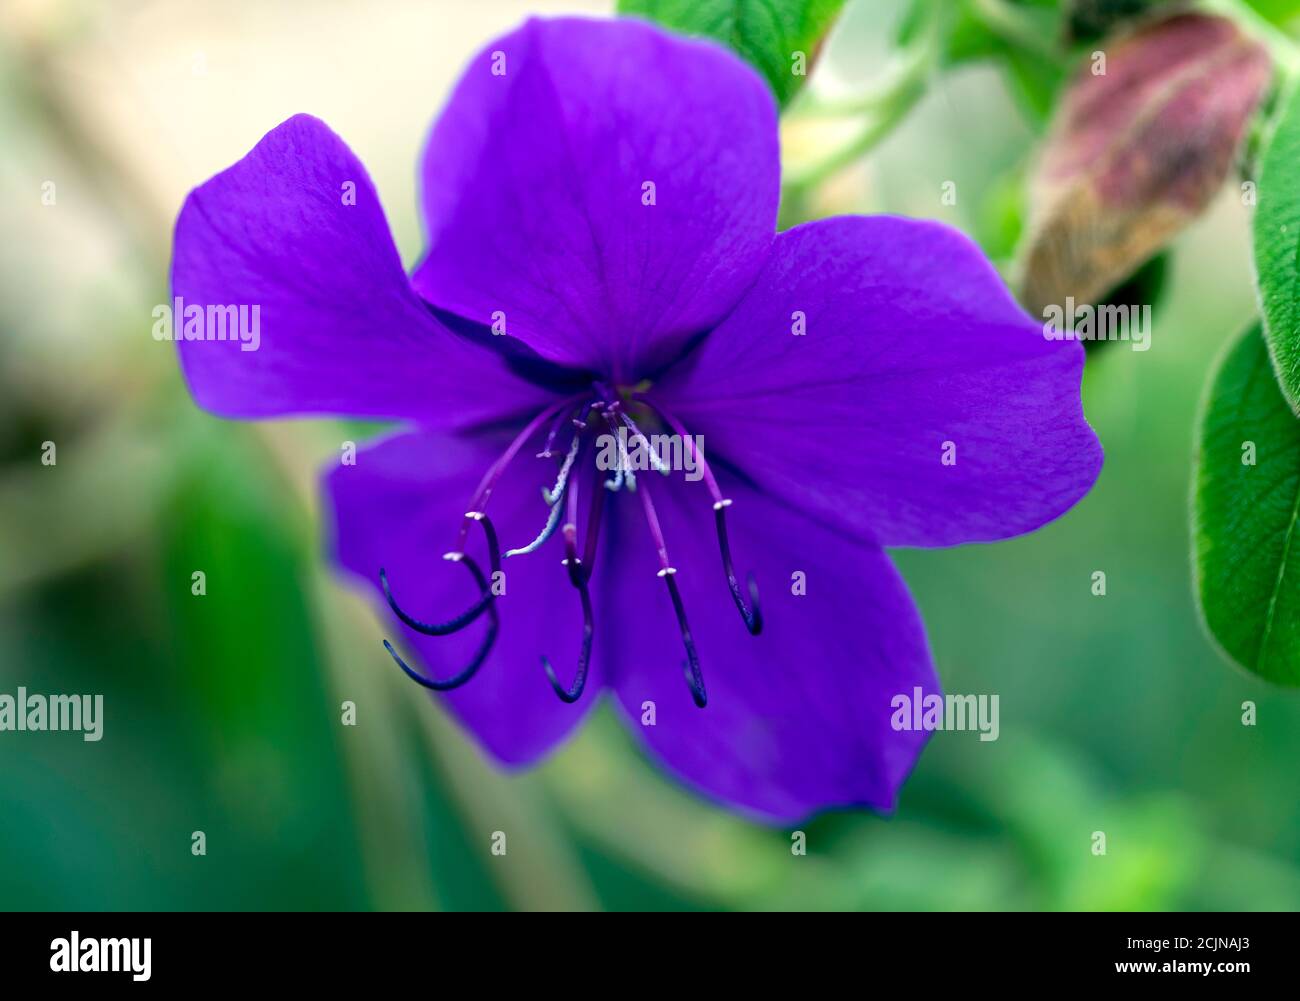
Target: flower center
607,422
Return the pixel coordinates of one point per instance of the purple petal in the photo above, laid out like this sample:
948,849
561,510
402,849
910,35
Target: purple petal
798,717
533,190
400,507
340,330
912,342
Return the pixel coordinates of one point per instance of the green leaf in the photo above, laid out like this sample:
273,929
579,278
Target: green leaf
966,37
767,33
1034,82
1277,242
1023,37
1247,497
976,29
1277,11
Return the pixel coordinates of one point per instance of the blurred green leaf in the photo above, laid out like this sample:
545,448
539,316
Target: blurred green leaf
257,710
984,29
1277,242
1277,11
778,37
1247,496
1002,216
1034,82
1022,37
966,37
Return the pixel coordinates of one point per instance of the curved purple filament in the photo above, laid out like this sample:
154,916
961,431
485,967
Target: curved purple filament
753,616
573,693
486,596
481,655
694,676
579,575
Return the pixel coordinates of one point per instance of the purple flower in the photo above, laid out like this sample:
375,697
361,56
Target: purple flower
601,200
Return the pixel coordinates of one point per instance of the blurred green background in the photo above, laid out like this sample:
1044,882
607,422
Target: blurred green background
223,712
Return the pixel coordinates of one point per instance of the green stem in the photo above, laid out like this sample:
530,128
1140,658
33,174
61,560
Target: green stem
878,126
886,105
1015,27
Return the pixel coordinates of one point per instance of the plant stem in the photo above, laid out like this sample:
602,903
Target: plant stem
1013,25
886,105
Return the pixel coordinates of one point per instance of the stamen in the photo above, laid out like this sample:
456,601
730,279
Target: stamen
694,676
658,463
479,657
578,577
656,532
552,495
457,680
584,658
493,474
628,473
570,531
485,592
554,433
552,523
494,549
557,505
593,530
753,618
623,472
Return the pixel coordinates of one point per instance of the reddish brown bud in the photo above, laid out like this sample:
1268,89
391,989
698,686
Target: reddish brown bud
1145,136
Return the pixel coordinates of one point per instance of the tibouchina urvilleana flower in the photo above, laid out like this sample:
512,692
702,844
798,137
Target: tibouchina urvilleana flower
630,408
